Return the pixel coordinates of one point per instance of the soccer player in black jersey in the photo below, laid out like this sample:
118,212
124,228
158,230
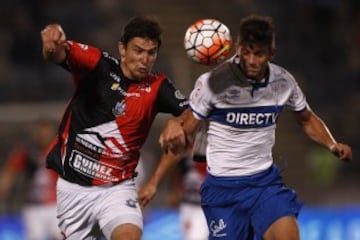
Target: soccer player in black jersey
103,128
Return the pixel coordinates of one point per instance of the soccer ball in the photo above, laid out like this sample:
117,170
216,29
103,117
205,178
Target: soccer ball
208,41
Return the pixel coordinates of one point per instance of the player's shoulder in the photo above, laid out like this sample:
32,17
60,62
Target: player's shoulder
154,77
278,72
79,47
219,78
110,59
217,74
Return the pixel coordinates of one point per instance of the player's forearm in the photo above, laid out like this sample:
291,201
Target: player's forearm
167,161
148,191
190,126
316,129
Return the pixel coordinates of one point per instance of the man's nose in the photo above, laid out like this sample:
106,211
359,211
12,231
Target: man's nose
144,58
251,59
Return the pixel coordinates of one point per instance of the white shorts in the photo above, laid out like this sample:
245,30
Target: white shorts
193,222
84,212
40,222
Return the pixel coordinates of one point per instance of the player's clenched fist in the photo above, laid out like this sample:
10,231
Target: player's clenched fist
54,43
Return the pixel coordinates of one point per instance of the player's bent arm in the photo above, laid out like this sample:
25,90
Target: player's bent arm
317,130
179,132
190,125
54,46
148,191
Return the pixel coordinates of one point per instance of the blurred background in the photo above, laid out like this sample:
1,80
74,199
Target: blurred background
318,41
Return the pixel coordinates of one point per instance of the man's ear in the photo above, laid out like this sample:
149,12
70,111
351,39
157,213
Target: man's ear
122,50
238,49
272,53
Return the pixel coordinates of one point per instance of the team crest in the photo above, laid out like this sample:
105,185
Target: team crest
119,108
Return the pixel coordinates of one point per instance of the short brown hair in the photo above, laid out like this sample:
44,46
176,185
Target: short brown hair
144,27
257,30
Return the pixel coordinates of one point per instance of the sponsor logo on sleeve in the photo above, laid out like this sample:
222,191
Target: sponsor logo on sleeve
83,46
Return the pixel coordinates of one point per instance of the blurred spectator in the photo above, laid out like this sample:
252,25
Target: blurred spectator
192,218
39,211
323,165
188,179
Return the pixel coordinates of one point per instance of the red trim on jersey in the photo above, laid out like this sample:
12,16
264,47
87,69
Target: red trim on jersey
52,144
65,134
200,167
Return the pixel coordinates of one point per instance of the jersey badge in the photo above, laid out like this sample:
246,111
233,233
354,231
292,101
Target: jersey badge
119,108
131,203
217,228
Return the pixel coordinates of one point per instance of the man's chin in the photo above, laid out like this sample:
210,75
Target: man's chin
251,75
140,76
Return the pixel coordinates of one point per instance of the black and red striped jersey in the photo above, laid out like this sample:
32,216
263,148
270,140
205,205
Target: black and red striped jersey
108,118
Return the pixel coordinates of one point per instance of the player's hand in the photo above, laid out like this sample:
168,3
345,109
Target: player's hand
173,137
342,151
52,36
146,194
54,42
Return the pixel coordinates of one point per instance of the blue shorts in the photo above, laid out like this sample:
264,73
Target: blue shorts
244,207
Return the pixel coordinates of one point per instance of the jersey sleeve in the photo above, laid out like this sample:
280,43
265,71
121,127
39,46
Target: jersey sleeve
297,100
200,97
170,99
81,59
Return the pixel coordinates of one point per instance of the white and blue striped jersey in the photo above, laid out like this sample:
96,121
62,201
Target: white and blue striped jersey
242,116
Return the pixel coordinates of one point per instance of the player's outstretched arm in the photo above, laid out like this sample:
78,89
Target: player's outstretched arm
174,140
148,191
54,44
316,129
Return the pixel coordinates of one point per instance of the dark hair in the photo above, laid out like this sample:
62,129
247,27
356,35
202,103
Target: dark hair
143,27
257,30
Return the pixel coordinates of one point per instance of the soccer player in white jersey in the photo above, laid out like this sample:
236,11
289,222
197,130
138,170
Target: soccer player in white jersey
243,194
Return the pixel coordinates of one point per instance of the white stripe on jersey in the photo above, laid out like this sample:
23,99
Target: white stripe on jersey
242,119
113,139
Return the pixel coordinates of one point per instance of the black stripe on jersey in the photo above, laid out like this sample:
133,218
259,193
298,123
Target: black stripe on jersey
199,158
94,99
167,103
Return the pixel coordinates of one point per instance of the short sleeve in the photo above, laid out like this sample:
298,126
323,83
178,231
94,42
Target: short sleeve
200,97
297,100
81,59
170,99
